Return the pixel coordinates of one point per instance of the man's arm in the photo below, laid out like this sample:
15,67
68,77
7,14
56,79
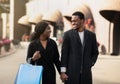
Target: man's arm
94,50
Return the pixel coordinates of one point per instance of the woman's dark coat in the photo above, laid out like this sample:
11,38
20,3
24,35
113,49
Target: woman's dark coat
49,57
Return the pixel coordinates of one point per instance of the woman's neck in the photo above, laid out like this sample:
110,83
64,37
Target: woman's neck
43,38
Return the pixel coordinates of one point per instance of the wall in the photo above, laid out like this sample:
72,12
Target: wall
19,11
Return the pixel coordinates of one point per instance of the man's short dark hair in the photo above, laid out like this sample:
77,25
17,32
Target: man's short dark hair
80,14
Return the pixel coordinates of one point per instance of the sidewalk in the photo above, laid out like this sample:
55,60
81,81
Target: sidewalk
107,70
4,53
13,49
108,56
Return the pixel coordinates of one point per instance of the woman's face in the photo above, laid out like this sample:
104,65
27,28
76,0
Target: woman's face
47,32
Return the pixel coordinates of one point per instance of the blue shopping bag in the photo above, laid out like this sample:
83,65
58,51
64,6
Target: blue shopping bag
29,74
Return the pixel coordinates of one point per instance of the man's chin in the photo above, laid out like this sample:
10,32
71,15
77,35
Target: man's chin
75,26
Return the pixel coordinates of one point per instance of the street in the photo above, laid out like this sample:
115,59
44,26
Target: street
105,71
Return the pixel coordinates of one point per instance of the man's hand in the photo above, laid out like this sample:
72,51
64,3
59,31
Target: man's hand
36,55
63,77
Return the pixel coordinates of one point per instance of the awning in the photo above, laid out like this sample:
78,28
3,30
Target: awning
53,16
4,8
110,9
24,20
110,14
82,8
5,1
35,18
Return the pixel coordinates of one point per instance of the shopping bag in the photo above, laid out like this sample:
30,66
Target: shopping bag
29,74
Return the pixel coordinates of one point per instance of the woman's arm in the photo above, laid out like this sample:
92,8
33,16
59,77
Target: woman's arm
56,57
65,52
30,52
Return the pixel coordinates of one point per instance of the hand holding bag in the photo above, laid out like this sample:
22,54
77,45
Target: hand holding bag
29,74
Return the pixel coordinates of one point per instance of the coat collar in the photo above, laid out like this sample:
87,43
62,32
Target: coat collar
85,36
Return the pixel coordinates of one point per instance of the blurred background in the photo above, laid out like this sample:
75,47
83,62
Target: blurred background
19,17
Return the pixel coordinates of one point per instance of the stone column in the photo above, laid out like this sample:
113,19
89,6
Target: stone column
11,19
4,18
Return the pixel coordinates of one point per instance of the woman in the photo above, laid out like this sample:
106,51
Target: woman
43,51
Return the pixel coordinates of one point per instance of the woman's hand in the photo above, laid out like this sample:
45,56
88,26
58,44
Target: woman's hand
63,77
36,55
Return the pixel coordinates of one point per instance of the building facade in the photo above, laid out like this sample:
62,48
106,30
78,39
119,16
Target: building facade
105,15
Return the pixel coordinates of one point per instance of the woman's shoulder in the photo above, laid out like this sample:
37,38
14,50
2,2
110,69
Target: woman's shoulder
33,42
52,41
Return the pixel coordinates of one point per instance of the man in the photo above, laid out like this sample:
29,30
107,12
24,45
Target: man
79,52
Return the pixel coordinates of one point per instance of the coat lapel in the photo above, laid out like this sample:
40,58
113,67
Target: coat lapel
85,37
77,36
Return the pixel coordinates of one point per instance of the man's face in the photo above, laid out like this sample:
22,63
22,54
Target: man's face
76,21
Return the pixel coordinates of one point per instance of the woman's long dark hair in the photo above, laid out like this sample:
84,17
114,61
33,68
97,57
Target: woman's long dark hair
39,29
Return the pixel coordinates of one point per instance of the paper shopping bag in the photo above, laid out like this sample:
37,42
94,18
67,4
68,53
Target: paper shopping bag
29,74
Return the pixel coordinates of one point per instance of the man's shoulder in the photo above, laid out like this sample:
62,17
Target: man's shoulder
89,32
69,31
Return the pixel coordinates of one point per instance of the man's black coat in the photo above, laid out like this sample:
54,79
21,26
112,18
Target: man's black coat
78,58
